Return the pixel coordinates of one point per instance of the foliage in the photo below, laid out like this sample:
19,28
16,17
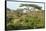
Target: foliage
31,5
28,21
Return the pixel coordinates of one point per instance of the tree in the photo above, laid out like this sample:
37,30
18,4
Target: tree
31,5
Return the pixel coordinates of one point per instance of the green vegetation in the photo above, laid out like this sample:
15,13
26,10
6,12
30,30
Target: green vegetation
30,20
31,5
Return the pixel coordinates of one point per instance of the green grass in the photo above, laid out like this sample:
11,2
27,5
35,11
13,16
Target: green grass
27,21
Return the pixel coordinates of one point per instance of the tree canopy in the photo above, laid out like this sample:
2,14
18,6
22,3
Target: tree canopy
31,5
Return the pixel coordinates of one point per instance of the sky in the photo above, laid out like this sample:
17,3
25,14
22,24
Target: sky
15,5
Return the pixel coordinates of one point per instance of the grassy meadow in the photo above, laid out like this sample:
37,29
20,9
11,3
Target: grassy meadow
20,19
32,20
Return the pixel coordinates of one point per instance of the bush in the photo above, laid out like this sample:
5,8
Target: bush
27,22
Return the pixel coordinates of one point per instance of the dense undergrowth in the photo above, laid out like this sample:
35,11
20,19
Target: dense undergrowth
25,21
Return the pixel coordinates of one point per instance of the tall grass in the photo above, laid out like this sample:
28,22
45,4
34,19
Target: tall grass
28,21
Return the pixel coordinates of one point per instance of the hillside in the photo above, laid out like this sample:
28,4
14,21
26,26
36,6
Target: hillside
17,19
